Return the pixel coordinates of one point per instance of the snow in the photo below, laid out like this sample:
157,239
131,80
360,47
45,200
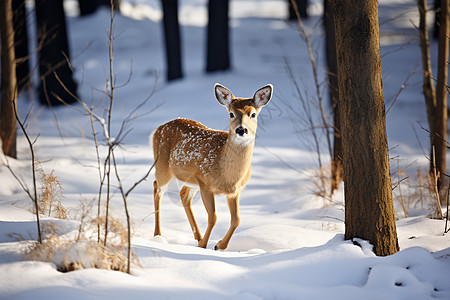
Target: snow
290,242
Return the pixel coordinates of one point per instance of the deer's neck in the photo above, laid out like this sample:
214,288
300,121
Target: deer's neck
236,159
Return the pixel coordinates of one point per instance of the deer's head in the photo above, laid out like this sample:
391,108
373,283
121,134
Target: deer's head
243,111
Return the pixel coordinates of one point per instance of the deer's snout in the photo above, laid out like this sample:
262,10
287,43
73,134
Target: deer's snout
241,131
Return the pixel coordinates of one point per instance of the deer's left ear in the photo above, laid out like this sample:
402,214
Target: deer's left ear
263,95
223,95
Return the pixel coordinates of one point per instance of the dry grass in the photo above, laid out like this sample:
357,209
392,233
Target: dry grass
321,180
70,254
51,194
410,192
77,249
416,192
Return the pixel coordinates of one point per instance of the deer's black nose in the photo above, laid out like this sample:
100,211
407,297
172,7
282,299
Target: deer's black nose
241,131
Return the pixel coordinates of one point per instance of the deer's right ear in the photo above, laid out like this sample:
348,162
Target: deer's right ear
223,95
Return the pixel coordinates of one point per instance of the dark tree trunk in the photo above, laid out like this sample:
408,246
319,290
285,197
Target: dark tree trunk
172,39
369,207
21,43
439,133
437,17
436,109
88,7
8,123
428,86
333,88
53,54
218,41
302,9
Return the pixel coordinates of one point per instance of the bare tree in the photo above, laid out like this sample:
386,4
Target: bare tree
369,207
439,129
21,43
8,126
172,39
333,88
53,53
218,40
437,17
436,98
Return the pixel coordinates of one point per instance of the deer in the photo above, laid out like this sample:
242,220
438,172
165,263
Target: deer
212,161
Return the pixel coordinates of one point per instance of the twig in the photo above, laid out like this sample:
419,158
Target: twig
307,111
142,179
446,217
316,79
125,203
35,197
435,178
402,87
111,102
405,212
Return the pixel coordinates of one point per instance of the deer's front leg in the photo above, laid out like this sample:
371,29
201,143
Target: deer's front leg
208,201
233,205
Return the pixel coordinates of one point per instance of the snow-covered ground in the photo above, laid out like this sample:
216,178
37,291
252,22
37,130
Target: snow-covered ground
290,242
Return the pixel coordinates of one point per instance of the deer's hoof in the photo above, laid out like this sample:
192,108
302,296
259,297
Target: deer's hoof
218,248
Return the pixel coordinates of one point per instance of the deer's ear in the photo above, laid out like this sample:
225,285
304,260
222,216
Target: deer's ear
223,95
263,95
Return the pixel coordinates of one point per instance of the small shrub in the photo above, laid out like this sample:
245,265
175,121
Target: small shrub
49,199
416,192
71,255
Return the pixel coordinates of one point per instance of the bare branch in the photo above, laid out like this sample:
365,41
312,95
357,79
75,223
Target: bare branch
33,197
316,79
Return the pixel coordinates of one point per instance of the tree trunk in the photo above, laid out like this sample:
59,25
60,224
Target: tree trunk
21,43
88,7
437,18
218,45
439,133
302,6
333,88
8,124
172,39
53,54
435,100
369,208
428,86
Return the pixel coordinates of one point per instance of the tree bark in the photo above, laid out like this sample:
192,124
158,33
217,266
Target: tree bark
439,133
369,208
437,18
218,41
21,43
88,7
172,39
53,54
333,88
428,86
436,108
8,124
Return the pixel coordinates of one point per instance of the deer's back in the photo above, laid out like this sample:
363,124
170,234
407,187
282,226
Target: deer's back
188,147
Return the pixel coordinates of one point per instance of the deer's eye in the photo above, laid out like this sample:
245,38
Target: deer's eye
231,115
253,115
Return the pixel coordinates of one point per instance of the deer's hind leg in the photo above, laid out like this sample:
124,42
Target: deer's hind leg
186,195
159,187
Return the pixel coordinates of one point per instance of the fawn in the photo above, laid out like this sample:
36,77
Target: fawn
216,162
